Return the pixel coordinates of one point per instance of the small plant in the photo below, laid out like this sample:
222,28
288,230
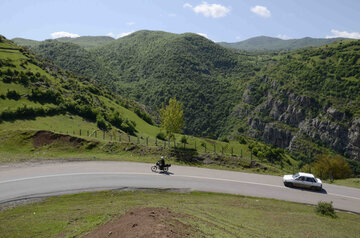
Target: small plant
241,140
325,209
184,140
12,94
224,139
160,136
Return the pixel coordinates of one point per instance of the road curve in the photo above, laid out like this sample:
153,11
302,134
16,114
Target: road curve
37,180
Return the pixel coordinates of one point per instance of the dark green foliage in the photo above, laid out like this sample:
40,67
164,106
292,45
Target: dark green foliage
12,94
102,124
224,139
144,116
45,96
269,153
183,140
325,209
26,113
161,136
241,140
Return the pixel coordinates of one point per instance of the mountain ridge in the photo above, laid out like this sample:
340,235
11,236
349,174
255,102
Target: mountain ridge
263,43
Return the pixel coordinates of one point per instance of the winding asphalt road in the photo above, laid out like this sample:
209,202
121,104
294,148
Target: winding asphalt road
38,180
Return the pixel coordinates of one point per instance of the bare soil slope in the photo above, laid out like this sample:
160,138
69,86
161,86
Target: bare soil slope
145,222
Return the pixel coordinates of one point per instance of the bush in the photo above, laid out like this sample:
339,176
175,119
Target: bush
241,140
102,124
160,136
12,94
325,209
332,167
184,140
224,139
144,116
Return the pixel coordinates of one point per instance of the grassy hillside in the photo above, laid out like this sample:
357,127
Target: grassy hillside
32,88
265,43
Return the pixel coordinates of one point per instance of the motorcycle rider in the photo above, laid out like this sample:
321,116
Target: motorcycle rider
161,163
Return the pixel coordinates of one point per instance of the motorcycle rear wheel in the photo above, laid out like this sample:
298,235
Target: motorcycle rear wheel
166,169
153,168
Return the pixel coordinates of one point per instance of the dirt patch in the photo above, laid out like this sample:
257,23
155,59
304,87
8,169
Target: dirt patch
145,222
42,138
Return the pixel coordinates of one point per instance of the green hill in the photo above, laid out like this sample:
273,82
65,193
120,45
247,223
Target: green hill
151,67
26,42
304,100
32,88
87,42
265,43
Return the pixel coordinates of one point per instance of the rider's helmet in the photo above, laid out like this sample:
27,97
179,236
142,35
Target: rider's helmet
162,157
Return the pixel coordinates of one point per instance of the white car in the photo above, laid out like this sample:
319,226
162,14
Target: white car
302,180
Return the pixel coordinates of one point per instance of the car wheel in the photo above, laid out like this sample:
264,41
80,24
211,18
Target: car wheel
287,184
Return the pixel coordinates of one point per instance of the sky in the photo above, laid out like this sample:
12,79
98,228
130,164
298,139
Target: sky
226,20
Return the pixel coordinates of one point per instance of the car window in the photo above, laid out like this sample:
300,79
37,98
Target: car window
309,179
295,176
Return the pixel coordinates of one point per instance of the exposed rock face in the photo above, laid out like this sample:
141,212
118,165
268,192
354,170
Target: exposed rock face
276,136
283,121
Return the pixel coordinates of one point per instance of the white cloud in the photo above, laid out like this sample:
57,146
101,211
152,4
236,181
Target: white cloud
63,34
130,23
238,37
209,10
119,35
261,11
203,35
187,5
345,34
283,37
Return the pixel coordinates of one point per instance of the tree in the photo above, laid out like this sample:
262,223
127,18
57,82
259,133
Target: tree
331,167
172,116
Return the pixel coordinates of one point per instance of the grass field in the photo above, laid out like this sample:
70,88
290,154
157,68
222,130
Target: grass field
211,215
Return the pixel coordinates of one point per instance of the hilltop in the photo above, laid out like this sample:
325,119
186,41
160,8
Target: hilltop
266,43
86,42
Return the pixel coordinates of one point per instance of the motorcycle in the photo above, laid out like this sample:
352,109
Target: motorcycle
156,167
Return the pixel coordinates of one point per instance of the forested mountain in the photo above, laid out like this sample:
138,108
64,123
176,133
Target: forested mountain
87,42
262,43
305,100
26,42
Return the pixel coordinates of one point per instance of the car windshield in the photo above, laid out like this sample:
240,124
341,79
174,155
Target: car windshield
295,176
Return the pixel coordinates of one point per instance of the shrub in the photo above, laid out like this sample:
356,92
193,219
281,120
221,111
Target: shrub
184,140
12,94
144,116
331,167
241,140
160,136
224,139
325,209
102,124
